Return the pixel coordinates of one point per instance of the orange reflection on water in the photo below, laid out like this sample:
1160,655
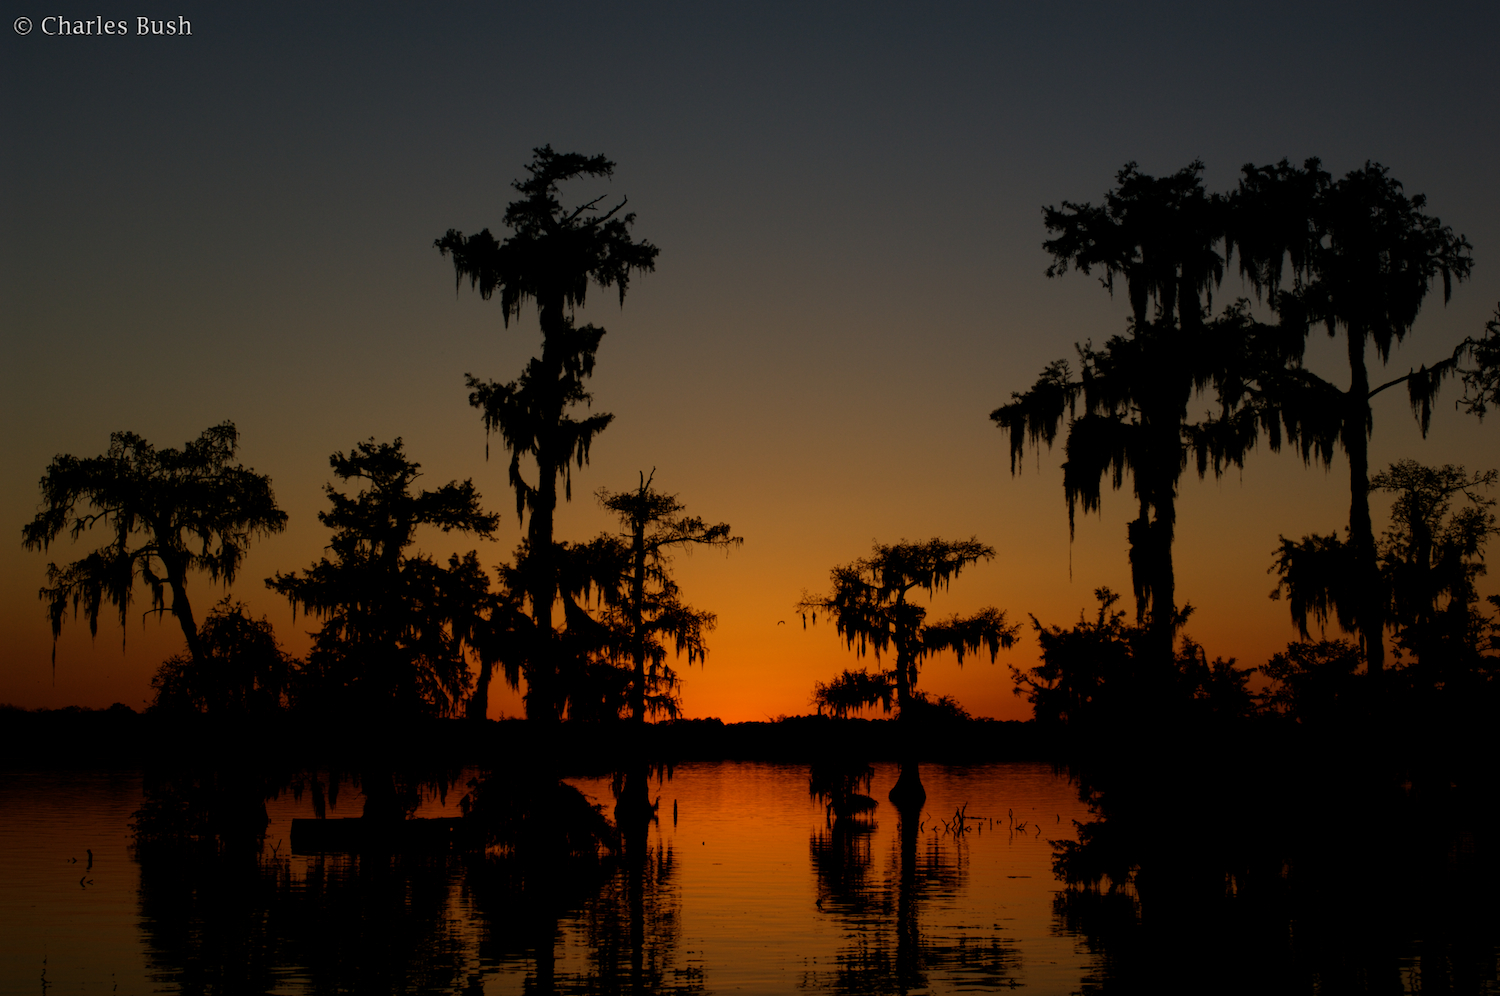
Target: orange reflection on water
744,886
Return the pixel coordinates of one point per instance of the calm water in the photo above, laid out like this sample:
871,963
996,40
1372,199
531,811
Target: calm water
746,890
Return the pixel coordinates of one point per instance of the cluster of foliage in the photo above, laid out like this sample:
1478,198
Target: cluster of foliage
1099,676
168,512
1313,709
243,671
1429,562
397,627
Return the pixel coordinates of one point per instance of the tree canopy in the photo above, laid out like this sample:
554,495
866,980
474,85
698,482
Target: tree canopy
245,672
553,252
1429,561
397,626
168,512
649,608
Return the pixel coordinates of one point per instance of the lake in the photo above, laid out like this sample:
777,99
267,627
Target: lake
742,885
747,889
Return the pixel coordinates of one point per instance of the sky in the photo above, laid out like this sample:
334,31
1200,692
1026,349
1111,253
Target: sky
238,223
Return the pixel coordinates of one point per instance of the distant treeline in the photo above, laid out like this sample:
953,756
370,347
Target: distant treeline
119,735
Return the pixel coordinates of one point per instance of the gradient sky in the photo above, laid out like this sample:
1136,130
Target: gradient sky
239,224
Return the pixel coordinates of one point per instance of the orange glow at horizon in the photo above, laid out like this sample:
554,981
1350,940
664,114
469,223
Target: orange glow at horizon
763,659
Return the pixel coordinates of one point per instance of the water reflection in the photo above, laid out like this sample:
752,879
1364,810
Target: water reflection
752,887
227,923
1324,879
224,909
888,949
755,886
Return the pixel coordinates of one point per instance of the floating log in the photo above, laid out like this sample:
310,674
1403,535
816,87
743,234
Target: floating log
355,834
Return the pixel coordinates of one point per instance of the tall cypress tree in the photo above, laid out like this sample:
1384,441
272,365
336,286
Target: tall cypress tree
1363,257
552,256
1162,236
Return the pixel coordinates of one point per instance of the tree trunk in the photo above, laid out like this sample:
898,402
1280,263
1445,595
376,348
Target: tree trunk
543,698
183,610
637,613
907,793
1164,581
1151,537
634,811
479,703
1167,461
1356,441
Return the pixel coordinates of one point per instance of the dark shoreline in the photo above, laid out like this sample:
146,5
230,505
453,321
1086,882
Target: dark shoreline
118,736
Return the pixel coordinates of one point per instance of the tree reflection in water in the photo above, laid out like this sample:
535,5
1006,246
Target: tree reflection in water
223,910
229,922
889,950
1387,898
1348,915
624,911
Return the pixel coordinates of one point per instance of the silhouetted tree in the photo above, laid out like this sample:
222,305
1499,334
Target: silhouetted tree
169,512
1363,257
1066,686
870,608
1161,234
551,257
1098,677
245,672
1429,561
1432,557
841,782
853,692
396,625
651,609
621,607
1482,381
1314,683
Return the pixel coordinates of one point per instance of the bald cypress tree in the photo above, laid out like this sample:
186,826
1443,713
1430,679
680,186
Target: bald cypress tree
551,258
651,609
1359,257
1163,237
166,512
1482,380
398,626
872,604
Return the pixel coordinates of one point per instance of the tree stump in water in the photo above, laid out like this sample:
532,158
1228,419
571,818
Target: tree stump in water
908,792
